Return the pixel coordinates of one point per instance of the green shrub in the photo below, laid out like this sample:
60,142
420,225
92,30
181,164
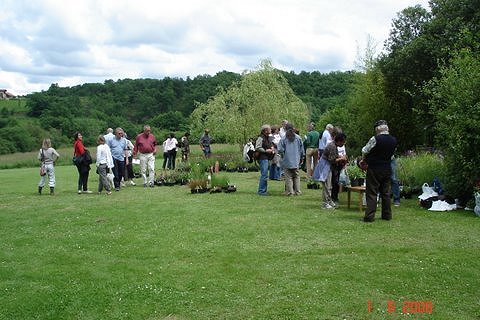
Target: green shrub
455,104
219,180
414,171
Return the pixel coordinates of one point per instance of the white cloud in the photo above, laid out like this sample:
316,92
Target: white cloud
71,42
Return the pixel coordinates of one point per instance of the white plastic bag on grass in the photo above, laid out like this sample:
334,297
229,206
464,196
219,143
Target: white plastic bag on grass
427,192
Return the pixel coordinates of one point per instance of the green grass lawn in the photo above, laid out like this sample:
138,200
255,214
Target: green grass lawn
163,253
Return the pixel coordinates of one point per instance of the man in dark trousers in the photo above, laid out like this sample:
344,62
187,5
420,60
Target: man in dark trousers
377,154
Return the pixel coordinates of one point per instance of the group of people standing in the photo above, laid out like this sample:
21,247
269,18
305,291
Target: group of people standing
280,151
325,156
115,154
114,157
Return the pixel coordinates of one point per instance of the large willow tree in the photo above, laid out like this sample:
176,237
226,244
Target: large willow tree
262,96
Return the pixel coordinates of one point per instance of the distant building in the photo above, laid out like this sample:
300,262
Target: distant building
4,94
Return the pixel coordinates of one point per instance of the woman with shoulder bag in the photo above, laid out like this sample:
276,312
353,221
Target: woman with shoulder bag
47,156
83,166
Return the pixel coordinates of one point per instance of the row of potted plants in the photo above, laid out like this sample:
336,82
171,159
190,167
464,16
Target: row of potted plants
200,177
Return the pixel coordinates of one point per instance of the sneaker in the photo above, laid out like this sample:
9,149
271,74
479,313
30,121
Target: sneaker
327,206
117,189
132,183
152,185
87,191
109,193
122,184
396,203
79,191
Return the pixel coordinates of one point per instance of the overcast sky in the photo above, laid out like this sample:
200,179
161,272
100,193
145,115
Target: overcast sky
71,42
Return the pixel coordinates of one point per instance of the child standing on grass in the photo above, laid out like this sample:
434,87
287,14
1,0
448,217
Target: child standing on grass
47,156
104,163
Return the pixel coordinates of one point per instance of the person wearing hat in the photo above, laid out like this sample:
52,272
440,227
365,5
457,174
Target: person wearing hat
377,153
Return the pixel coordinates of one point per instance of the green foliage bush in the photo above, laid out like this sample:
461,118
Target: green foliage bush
413,171
6,146
455,104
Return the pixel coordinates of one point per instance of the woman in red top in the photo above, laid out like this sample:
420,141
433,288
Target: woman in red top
83,166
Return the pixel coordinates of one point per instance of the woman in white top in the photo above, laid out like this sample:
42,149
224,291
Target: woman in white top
104,163
129,175
170,149
47,156
337,171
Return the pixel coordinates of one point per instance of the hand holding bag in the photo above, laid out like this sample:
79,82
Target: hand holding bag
43,170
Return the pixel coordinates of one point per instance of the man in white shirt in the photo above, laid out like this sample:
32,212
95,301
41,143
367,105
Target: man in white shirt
326,139
109,136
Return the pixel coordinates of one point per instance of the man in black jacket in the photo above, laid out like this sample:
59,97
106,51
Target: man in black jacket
378,153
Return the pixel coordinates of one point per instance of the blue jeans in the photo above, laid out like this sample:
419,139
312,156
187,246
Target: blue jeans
262,184
274,172
394,181
207,151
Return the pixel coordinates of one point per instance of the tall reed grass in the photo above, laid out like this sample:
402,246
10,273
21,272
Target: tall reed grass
415,170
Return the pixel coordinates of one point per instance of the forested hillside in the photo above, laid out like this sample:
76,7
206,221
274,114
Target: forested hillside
165,104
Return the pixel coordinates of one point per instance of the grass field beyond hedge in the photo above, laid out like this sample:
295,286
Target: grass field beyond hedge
163,253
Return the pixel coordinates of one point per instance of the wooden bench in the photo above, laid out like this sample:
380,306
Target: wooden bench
361,191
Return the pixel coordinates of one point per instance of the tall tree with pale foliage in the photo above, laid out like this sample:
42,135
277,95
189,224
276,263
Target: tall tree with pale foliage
262,96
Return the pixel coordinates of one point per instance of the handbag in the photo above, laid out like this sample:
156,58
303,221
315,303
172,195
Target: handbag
78,160
43,170
87,158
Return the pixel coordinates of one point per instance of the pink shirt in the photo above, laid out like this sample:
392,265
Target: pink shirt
145,143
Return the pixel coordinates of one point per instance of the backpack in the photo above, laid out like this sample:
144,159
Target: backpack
249,152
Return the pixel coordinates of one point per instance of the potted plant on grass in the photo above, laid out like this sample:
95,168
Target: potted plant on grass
355,174
198,178
220,182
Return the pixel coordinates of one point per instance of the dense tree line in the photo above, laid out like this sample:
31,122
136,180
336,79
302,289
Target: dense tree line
166,104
